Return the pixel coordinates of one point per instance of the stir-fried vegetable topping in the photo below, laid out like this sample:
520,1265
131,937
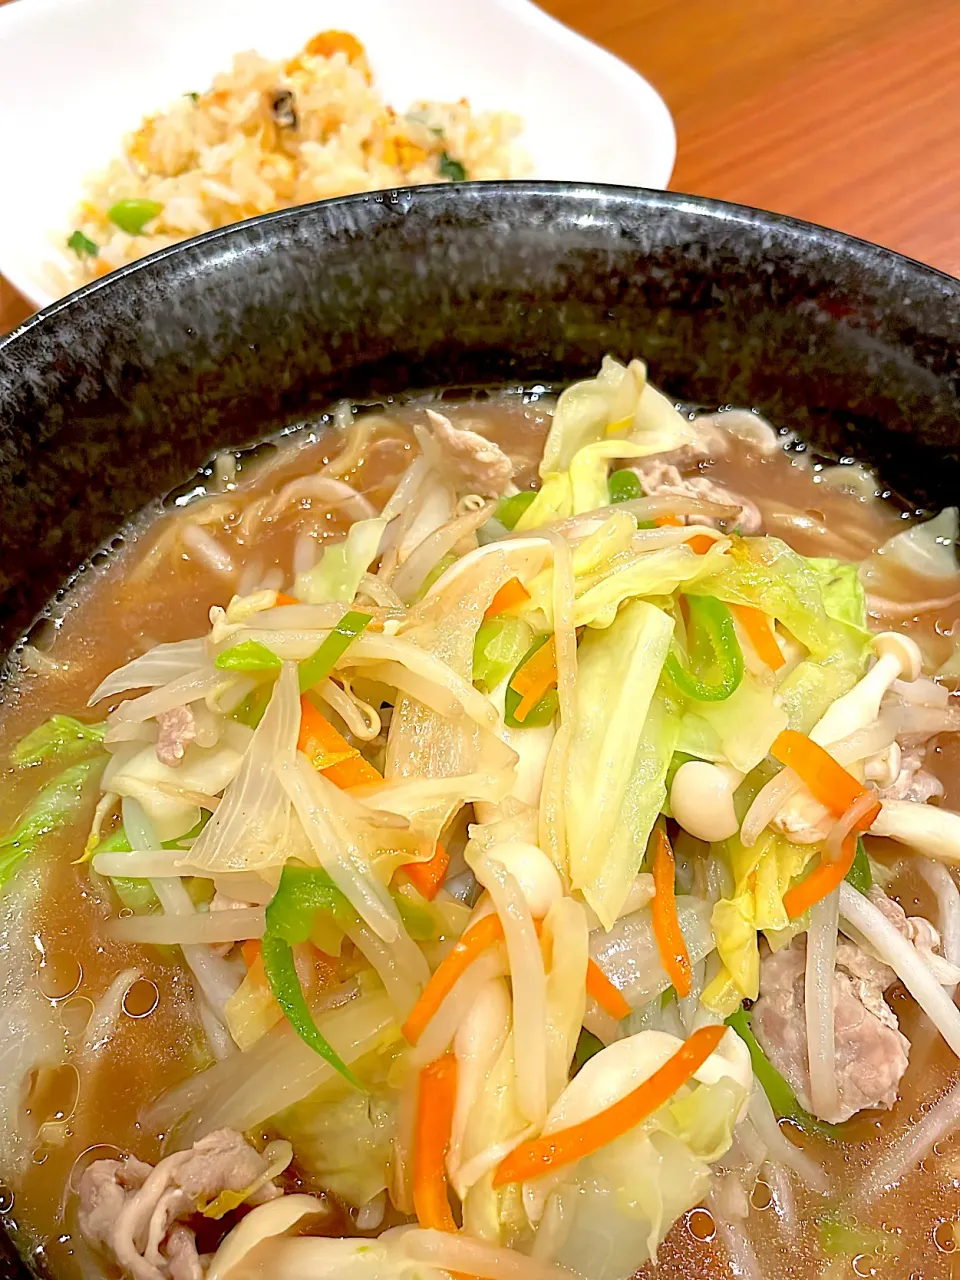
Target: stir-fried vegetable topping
497,801
435,1108
249,655
59,738
531,698
319,665
55,807
666,927
302,893
779,1094
543,1155
714,663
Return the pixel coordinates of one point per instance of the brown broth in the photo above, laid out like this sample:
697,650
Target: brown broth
119,612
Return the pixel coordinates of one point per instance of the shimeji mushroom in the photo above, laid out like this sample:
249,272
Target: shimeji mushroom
803,819
701,799
898,658
533,871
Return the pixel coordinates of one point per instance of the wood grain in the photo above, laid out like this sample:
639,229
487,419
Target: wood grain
845,112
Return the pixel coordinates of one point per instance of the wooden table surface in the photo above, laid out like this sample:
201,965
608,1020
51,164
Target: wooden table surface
845,112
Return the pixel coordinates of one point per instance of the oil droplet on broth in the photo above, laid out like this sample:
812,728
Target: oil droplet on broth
945,1236
141,999
59,976
701,1225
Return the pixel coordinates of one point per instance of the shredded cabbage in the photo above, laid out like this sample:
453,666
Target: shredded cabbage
340,570
620,749
343,1136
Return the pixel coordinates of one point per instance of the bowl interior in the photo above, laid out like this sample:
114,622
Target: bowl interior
587,115
119,393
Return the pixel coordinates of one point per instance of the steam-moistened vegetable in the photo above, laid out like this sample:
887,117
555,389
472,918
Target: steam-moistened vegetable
530,865
60,738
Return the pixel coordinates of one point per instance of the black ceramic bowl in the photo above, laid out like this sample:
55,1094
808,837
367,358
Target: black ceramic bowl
117,394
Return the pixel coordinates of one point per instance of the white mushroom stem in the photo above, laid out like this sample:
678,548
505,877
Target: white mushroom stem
701,799
898,658
924,827
884,767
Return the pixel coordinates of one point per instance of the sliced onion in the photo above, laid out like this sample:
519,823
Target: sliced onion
314,799
922,722
903,958
819,1006
208,927
771,798
922,693
163,663
409,578
853,819
459,1253
178,693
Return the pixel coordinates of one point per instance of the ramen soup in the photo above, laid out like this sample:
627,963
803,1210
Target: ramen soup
494,836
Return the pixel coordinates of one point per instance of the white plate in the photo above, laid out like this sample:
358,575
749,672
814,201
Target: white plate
76,75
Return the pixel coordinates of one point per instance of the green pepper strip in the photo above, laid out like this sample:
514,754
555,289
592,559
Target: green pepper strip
860,875
319,665
625,486
509,510
781,1097
540,714
711,627
302,892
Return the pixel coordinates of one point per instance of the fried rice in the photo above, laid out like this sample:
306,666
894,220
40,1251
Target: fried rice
270,135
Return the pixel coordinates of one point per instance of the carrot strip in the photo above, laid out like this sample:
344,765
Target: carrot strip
700,543
510,596
283,599
607,996
535,677
668,521
355,772
436,1097
828,782
483,934
666,927
329,751
760,633
250,951
427,877
823,879
554,1150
